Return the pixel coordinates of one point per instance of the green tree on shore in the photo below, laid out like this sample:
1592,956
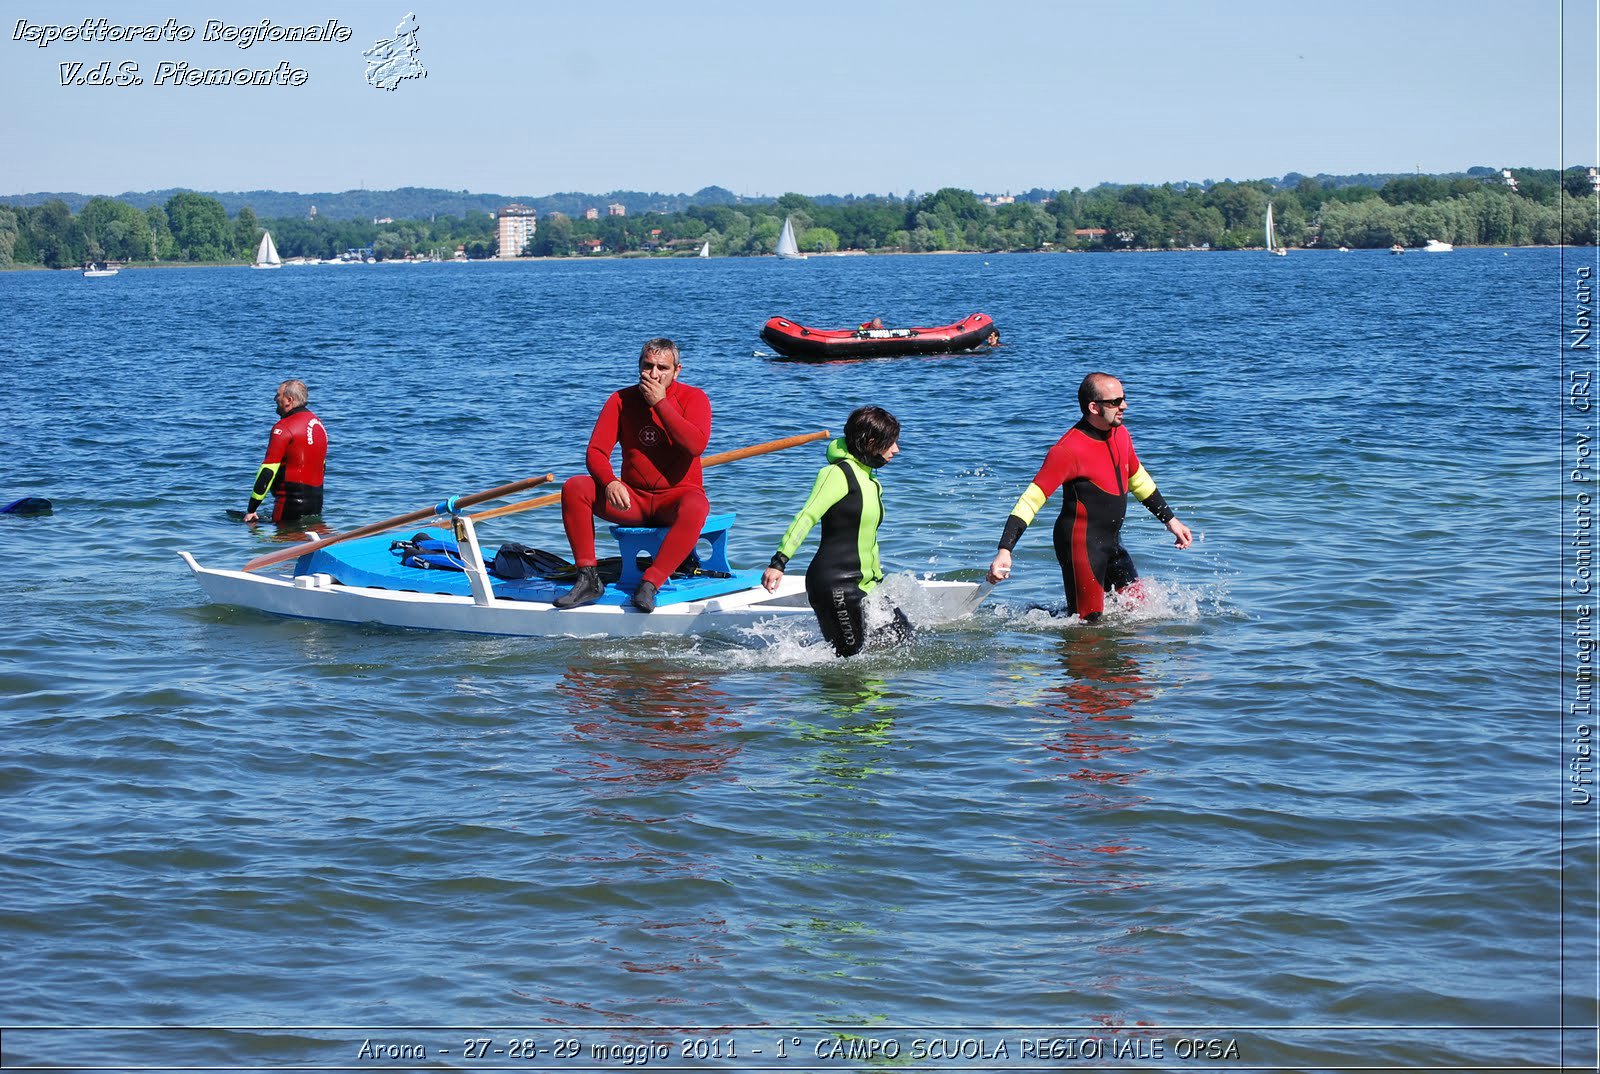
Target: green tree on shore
200,229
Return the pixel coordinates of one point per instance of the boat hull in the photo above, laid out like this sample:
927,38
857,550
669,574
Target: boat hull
800,343
318,596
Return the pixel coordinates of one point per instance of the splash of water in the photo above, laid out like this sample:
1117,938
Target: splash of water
1150,600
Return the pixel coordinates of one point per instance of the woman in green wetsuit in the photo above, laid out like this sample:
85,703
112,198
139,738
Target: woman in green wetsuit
848,500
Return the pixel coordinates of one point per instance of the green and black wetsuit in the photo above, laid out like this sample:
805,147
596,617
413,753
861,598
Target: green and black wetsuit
848,500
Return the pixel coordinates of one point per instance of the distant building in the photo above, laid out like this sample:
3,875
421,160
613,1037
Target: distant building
313,215
591,214
614,209
518,224
591,246
1000,199
383,219
1089,233
1510,180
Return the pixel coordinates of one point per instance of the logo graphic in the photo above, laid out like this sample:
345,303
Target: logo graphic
648,436
391,62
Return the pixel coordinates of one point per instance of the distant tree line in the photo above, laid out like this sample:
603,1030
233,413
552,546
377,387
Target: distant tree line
1544,208
196,228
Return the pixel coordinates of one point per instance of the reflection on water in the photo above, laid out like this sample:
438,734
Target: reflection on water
853,733
1093,715
648,886
1103,676
648,725
295,532
842,892
1090,743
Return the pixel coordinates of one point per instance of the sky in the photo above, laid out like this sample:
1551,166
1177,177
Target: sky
824,97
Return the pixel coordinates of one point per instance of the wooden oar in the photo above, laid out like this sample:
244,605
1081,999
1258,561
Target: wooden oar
710,460
296,551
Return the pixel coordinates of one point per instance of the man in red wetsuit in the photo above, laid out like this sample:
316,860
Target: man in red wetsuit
297,451
663,427
1096,463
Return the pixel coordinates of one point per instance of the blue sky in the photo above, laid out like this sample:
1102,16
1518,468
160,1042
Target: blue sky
823,97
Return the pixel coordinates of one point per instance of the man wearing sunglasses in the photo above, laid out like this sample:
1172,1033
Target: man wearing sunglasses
1095,461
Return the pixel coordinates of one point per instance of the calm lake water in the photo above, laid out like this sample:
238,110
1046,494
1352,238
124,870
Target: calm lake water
1307,800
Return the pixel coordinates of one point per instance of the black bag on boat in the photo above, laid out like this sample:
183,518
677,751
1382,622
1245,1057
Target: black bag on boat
516,561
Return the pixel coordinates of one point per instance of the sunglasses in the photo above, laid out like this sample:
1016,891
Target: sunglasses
1118,401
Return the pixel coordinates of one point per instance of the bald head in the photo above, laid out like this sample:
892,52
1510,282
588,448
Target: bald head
1097,386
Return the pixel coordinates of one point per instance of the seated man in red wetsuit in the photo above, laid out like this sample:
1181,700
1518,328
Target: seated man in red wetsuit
297,451
663,427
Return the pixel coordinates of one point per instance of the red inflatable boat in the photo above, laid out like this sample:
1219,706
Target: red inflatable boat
796,341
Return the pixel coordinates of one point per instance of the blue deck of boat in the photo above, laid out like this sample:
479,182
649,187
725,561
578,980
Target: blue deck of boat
369,562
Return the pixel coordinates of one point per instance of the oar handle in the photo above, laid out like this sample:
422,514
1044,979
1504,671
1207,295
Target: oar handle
710,460
453,505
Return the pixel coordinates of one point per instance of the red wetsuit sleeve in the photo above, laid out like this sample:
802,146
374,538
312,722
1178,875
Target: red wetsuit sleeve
278,442
602,440
685,413
1059,466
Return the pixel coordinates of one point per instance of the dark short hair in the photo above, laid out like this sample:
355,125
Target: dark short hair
1087,390
869,430
660,345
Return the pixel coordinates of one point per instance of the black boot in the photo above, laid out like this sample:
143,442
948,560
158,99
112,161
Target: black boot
586,590
644,598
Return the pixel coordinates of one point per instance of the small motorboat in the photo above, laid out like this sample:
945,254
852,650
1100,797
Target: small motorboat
796,341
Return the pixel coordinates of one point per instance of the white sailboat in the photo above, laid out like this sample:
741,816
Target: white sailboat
705,248
1272,238
787,247
267,253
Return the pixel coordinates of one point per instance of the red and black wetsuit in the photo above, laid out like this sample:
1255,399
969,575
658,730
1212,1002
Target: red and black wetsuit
1098,470
297,451
661,448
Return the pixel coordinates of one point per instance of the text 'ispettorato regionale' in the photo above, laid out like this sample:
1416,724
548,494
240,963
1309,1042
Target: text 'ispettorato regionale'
170,72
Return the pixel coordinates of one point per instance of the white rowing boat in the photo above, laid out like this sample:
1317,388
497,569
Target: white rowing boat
362,578
320,596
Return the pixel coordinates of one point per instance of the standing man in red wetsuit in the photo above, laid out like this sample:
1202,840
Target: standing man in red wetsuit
663,427
297,451
1096,463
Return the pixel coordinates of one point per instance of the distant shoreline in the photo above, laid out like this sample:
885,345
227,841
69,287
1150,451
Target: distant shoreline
840,253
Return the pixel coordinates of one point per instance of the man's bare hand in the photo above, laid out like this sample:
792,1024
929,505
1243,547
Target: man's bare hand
653,391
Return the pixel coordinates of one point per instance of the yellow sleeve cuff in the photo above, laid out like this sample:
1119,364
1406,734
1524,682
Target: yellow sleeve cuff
1029,504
